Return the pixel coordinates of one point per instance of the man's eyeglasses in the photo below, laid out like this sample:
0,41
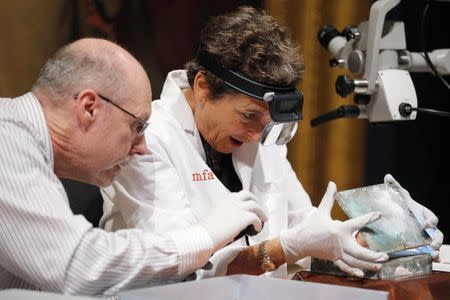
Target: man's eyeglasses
142,125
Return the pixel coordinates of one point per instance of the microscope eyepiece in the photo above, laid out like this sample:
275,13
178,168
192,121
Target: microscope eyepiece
326,34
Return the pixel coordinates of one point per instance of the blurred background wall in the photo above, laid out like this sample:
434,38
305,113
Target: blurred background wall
163,36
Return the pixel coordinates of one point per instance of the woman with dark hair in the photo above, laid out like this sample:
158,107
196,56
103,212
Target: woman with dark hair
205,140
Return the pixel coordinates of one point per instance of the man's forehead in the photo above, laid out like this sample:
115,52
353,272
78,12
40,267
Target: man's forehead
144,109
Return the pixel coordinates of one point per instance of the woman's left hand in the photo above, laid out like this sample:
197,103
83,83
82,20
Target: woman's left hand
427,218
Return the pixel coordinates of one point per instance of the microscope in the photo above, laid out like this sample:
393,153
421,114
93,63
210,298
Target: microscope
376,51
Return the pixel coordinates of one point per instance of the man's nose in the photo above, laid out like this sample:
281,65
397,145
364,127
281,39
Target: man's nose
139,147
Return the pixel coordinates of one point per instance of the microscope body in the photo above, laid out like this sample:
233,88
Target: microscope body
376,51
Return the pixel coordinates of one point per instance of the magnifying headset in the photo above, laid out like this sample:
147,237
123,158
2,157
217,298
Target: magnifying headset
285,103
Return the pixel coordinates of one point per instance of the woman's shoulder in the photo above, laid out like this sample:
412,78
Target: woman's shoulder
164,130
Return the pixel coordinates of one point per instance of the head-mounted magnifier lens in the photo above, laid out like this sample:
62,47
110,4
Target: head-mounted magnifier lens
278,133
285,103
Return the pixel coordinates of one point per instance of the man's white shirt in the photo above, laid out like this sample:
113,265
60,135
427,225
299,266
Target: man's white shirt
43,245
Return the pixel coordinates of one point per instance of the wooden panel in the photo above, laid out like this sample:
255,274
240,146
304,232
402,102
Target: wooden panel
333,151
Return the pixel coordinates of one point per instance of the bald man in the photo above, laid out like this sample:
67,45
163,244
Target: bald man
83,120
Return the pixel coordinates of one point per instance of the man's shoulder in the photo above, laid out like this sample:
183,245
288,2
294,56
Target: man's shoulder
17,111
6,105
16,128
19,107
11,116
21,121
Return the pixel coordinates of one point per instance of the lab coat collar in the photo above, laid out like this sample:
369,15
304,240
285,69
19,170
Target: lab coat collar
175,102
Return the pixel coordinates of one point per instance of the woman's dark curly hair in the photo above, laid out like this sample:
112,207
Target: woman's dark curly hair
252,43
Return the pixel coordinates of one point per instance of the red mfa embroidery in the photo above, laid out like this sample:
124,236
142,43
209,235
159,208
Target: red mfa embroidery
203,176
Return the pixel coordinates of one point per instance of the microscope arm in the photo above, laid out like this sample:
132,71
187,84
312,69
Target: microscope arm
344,111
378,12
440,58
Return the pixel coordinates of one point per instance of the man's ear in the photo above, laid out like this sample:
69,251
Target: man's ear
86,108
201,87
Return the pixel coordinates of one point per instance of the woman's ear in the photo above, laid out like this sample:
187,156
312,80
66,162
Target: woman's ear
201,87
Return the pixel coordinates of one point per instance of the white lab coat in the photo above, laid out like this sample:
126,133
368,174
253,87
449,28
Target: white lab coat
172,188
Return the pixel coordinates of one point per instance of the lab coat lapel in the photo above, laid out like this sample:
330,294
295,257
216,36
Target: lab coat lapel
260,170
243,161
178,108
265,160
269,158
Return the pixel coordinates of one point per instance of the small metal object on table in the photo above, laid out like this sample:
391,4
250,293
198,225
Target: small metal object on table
434,286
396,267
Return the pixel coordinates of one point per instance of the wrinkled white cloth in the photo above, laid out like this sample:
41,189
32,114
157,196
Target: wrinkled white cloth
425,216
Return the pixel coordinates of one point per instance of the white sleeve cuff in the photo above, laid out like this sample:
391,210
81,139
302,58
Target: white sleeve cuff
194,247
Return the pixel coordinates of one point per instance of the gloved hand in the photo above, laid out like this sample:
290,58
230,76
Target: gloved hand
231,215
321,237
425,216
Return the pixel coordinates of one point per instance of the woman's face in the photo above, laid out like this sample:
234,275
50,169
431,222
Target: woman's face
231,120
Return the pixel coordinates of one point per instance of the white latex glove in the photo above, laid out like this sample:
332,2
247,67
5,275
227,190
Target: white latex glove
231,215
321,237
425,216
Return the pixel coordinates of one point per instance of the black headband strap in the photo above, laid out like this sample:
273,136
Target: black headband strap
236,80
